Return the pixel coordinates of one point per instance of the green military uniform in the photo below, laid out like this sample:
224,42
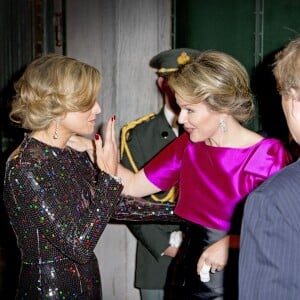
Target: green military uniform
141,140
144,141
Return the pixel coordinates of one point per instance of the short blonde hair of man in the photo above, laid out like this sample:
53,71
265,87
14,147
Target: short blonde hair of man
287,68
51,86
218,80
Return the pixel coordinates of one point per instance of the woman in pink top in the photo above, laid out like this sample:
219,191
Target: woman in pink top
216,164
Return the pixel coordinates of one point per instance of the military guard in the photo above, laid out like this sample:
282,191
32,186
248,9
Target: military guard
142,139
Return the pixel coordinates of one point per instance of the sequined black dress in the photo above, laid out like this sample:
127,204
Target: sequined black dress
58,204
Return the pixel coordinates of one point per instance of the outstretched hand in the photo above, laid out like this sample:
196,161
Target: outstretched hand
107,153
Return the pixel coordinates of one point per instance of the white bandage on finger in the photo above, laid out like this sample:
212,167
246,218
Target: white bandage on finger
204,273
205,268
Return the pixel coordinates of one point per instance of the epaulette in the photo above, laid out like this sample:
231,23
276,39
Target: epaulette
125,131
173,192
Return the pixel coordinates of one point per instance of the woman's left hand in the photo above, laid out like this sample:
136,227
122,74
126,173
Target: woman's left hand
107,154
215,256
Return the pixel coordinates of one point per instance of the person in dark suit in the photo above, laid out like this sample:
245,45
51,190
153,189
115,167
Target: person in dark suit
142,139
270,240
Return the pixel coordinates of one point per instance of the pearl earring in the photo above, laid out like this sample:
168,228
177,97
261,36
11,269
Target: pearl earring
55,135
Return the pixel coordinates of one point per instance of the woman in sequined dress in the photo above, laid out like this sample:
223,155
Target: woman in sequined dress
58,201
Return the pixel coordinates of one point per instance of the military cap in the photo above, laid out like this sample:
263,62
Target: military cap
170,60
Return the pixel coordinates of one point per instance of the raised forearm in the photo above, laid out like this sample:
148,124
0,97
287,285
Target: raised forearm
136,184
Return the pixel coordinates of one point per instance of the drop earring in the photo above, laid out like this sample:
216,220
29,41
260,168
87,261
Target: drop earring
55,135
223,125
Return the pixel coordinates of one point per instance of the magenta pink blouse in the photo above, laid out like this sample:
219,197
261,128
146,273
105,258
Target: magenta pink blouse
212,180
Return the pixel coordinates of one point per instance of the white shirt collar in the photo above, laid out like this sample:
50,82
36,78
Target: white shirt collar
172,119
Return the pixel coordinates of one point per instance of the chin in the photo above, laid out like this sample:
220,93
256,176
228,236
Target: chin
194,139
89,131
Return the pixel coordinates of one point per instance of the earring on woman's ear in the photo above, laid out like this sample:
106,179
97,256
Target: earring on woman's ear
55,135
223,125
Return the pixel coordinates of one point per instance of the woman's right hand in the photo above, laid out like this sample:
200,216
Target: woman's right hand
81,144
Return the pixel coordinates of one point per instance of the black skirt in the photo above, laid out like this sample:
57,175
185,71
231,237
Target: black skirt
222,284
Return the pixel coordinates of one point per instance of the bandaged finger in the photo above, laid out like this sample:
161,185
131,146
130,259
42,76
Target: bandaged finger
204,273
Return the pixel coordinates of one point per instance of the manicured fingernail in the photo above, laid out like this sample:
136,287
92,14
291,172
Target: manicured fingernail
113,117
97,136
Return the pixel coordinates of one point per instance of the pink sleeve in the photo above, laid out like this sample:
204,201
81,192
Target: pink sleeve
164,169
269,158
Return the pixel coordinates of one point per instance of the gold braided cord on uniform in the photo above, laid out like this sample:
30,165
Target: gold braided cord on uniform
173,192
124,137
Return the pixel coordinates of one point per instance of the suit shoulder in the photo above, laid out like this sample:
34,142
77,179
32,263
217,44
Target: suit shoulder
282,182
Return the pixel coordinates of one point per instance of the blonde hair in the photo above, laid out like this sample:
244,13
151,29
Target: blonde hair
51,86
287,66
219,81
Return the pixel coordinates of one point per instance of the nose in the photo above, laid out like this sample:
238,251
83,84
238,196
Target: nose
96,108
181,117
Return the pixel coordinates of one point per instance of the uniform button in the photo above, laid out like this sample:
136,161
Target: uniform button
164,134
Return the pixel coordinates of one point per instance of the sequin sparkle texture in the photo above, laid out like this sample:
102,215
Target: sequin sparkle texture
59,204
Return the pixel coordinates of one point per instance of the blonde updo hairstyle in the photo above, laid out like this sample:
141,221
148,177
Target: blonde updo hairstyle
219,81
286,68
51,86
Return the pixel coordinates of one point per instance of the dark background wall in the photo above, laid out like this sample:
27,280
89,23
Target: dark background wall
250,30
